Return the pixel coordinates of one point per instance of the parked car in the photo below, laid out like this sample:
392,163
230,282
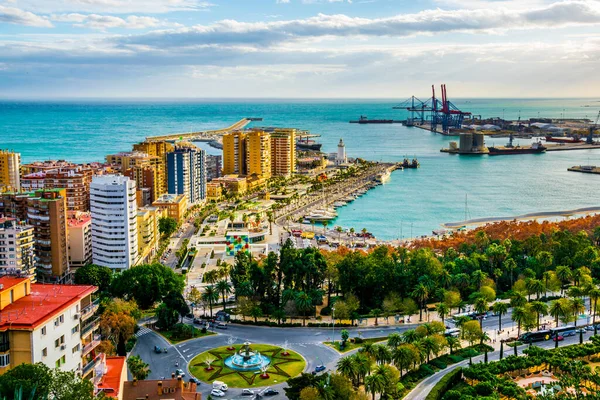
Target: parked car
247,392
217,393
269,392
558,338
221,325
320,368
218,385
195,380
180,373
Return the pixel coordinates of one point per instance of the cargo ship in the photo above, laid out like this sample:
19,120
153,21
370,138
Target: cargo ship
535,148
563,140
365,120
308,145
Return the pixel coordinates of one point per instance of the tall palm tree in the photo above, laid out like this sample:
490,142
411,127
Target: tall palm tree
347,367
576,306
564,275
339,230
453,343
210,295
325,223
375,384
557,310
430,345
364,234
539,308
363,363
484,338
535,286
501,309
518,300
224,288
481,307
519,315
403,357
420,292
594,294
442,310
510,265
410,336
303,304
394,340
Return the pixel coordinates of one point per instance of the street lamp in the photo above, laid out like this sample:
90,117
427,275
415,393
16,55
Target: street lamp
333,325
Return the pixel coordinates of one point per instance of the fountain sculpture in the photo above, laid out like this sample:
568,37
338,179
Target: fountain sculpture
247,360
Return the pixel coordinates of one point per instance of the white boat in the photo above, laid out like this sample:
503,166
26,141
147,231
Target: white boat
339,204
384,177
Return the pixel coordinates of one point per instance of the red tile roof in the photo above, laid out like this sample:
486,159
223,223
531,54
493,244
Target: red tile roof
111,380
41,305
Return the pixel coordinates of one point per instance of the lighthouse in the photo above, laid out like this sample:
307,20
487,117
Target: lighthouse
340,157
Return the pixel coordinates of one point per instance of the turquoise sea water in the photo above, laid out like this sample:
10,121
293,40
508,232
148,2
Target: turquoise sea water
423,198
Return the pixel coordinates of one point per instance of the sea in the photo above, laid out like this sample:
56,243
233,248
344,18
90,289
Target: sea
447,188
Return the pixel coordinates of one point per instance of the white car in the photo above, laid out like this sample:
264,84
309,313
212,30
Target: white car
217,393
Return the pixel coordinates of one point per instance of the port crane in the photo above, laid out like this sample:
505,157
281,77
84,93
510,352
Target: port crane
590,138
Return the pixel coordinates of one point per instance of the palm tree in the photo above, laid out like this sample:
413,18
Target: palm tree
519,315
339,230
348,368
535,286
557,310
478,277
430,346
312,222
421,292
394,340
594,294
453,343
481,307
382,354
375,384
278,314
403,357
224,288
352,231
303,304
484,338
210,295
364,234
539,308
518,300
576,306
363,363
410,336
442,310
510,265
325,223
501,309
564,274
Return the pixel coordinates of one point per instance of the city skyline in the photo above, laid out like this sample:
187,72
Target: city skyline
297,48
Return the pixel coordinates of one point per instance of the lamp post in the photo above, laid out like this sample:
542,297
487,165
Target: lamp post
333,325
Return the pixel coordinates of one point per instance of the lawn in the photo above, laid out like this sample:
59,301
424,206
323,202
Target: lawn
169,335
280,370
351,346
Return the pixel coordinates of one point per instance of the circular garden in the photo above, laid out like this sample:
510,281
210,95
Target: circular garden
211,365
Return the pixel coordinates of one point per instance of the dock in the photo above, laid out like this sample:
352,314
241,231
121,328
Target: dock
586,169
572,146
241,124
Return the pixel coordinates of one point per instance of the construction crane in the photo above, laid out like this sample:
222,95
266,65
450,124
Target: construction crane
590,138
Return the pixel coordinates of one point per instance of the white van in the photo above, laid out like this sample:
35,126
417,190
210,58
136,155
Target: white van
220,386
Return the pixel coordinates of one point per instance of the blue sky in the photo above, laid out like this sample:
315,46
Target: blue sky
298,48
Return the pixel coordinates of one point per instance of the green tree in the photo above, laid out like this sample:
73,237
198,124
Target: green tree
345,335
420,293
95,275
138,368
167,226
442,310
404,356
166,317
539,308
501,309
519,315
471,331
375,384
481,307
576,306
118,322
347,367
224,288
210,295
453,343
303,305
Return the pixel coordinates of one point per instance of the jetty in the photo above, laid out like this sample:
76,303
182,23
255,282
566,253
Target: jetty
241,124
586,169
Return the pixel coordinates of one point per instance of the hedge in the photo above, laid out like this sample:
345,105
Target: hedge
449,380
287,324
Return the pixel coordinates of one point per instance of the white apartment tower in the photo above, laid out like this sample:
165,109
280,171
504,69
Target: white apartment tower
114,221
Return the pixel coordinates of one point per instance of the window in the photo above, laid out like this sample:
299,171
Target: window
57,364
62,339
44,330
75,329
75,349
63,359
4,360
45,352
12,296
61,319
56,343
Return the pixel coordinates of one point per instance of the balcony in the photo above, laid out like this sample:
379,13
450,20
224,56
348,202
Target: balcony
87,368
90,346
89,310
90,327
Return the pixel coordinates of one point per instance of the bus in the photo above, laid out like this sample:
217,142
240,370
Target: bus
453,332
563,331
471,315
530,337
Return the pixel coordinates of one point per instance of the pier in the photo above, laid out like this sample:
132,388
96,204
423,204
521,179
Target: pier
241,124
586,169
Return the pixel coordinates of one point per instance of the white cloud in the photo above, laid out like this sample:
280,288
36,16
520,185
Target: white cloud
102,22
113,6
16,16
555,15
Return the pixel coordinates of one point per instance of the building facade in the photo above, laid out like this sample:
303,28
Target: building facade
80,239
47,213
258,154
17,252
74,178
148,235
173,205
214,166
114,221
158,149
283,152
10,174
148,171
234,153
186,170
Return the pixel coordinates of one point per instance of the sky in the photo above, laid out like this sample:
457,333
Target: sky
298,48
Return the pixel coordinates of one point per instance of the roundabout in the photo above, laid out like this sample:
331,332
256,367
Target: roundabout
247,365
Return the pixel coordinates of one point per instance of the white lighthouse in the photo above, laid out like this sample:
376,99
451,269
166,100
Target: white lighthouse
340,157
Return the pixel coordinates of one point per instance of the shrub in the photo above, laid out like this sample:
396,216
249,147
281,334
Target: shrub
447,381
358,340
452,395
438,363
326,311
130,343
484,388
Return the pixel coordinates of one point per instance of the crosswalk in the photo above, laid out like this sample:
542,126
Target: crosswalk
143,330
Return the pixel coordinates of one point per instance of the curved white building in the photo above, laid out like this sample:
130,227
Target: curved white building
114,224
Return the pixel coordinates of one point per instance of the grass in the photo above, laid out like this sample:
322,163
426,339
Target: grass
352,346
169,335
280,370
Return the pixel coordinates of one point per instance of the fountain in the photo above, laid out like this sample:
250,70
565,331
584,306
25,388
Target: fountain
247,360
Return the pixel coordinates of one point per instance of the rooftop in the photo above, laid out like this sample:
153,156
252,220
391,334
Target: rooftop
43,303
79,221
112,378
139,390
169,198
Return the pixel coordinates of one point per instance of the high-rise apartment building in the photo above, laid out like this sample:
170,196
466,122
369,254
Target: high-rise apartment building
146,181
114,221
146,170
50,324
148,235
214,165
10,164
158,149
283,152
47,213
80,239
234,153
14,205
17,253
186,167
258,154
74,178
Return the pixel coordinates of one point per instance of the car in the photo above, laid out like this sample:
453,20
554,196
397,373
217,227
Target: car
180,373
558,338
270,392
247,392
198,321
320,368
195,380
157,349
217,393
221,325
